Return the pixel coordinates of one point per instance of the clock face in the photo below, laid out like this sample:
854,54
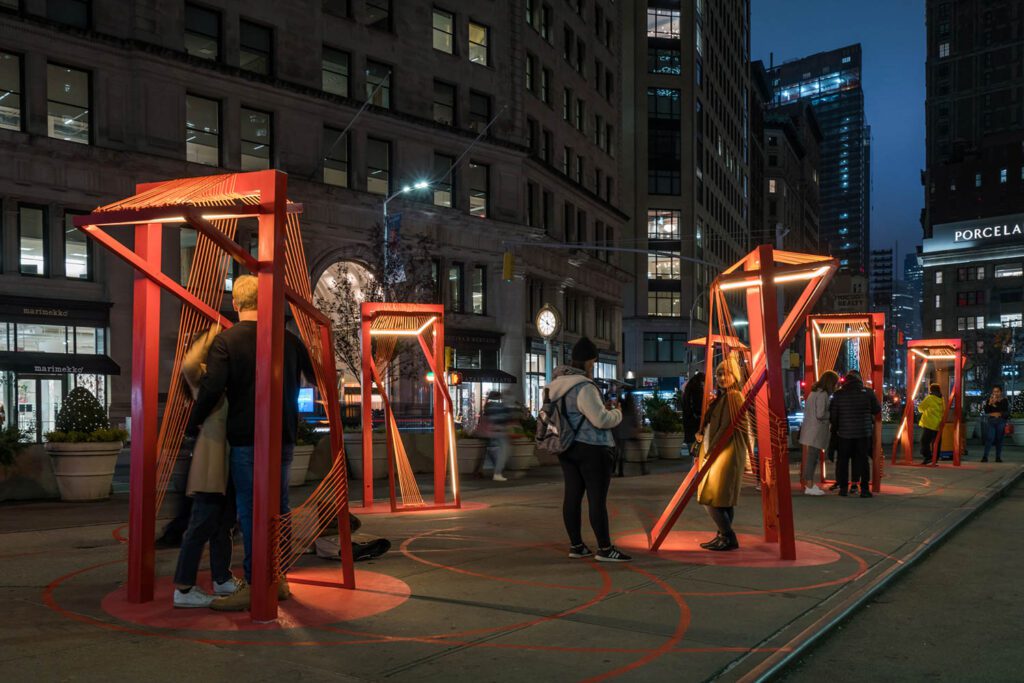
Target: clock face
547,323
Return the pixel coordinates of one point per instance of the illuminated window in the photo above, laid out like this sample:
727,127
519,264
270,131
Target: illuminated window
1011,320
378,74
1002,176
977,180
254,47
68,104
938,277
663,304
662,267
479,40
202,32
478,177
771,186
255,136
455,273
10,91
33,241
938,301
444,180
202,130
444,31
334,70
662,23
335,158
938,324
478,291
943,50
77,251
1010,270
662,224
378,166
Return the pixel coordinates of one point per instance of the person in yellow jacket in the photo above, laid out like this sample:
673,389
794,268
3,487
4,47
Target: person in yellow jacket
719,491
931,409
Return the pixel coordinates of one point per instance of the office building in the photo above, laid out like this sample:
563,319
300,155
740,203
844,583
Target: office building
831,83
973,251
882,261
687,96
98,96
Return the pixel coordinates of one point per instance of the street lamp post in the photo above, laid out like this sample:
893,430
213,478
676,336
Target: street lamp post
421,185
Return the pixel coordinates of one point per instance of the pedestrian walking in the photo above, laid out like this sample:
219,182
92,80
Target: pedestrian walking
997,412
212,513
816,432
852,414
498,419
719,490
692,404
627,429
587,462
931,409
231,372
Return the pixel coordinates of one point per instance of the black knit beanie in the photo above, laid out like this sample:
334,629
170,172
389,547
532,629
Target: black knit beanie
584,350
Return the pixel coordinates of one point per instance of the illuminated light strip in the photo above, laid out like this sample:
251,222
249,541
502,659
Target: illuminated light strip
450,423
943,357
814,345
779,279
913,393
843,335
403,333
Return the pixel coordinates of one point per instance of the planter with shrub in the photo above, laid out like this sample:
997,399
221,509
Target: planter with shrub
667,427
84,448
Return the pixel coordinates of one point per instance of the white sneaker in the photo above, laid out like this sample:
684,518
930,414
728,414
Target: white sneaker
499,477
229,587
196,597
813,490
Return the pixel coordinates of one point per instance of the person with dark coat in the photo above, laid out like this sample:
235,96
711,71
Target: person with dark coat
627,429
997,412
852,414
693,399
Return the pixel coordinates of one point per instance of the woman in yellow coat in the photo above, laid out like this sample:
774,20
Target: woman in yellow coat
720,488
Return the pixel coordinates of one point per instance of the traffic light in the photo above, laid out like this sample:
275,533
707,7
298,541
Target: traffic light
449,357
454,378
508,266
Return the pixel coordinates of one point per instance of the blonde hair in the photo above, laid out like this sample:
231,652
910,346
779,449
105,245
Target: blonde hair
244,291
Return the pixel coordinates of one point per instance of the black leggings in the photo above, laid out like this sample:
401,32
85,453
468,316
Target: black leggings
928,443
586,469
722,517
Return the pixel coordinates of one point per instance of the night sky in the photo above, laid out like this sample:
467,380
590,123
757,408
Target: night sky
892,34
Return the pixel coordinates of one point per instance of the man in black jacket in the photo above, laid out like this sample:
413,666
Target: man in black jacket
231,372
852,414
692,404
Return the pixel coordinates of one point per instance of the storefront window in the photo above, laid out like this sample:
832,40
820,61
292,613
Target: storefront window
88,340
39,400
534,380
42,338
5,345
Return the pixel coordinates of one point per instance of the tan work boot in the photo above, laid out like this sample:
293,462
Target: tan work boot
236,602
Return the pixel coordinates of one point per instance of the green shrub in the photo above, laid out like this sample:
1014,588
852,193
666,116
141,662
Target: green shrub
82,419
305,435
666,420
12,442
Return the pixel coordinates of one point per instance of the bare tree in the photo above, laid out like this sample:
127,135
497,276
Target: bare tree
404,276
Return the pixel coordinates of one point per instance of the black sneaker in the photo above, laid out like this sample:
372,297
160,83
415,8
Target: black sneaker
371,550
578,552
866,494
853,490
612,554
842,493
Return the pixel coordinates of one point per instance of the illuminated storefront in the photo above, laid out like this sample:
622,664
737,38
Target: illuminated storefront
46,349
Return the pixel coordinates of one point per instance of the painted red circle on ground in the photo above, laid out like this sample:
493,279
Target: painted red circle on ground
384,508
893,490
316,600
684,546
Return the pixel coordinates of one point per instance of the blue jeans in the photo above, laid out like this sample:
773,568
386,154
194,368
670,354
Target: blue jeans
241,461
995,430
497,453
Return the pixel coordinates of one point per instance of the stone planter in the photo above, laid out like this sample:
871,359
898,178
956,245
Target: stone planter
84,471
638,448
354,451
1018,431
470,453
668,445
521,457
300,464
889,430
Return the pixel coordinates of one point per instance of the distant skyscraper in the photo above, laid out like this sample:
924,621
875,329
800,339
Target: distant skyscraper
881,279
830,81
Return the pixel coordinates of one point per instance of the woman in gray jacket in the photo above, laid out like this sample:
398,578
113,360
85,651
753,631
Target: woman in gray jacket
816,430
587,463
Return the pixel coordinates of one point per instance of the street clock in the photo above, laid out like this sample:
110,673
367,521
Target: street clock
548,321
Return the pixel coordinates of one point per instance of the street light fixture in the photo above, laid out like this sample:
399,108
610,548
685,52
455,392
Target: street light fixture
418,185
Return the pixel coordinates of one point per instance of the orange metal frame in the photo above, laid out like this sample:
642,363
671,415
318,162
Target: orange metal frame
271,189
760,273
875,322
444,425
921,352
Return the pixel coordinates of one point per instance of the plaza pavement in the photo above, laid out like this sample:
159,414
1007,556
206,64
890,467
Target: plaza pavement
487,594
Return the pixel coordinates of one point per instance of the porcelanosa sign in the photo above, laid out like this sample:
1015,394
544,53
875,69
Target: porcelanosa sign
1001,231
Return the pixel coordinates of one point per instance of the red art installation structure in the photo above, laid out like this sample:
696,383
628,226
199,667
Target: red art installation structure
383,326
213,206
942,357
826,337
759,277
